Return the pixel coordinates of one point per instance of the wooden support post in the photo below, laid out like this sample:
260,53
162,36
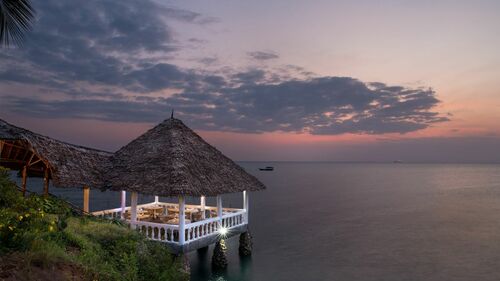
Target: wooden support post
123,203
46,181
86,198
133,209
25,176
203,205
219,209
182,220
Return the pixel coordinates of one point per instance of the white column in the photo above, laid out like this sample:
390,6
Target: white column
133,209
123,203
248,202
202,203
182,220
219,209
156,199
245,205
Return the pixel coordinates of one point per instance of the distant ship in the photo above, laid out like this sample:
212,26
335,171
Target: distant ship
268,168
397,161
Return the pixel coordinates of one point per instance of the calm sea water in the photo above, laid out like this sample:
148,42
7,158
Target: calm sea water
340,221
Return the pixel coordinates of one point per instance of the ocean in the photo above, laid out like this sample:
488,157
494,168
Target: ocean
358,221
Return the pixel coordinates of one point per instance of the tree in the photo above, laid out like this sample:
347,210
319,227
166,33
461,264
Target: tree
16,18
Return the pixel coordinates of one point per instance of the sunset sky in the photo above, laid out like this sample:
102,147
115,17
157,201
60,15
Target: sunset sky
283,80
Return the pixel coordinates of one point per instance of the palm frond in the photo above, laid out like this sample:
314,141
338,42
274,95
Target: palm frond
16,18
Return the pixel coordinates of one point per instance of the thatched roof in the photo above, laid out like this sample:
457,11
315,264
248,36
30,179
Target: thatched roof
172,160
70,165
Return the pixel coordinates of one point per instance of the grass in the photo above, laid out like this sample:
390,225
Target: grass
45,234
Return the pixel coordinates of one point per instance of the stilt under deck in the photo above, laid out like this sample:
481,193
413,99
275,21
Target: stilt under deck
202,225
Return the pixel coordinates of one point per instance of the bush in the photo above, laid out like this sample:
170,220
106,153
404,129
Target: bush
47,232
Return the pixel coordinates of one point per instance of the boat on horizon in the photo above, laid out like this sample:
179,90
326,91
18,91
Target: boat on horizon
268,168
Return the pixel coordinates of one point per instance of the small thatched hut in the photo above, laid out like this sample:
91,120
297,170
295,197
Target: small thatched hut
36,155
171,160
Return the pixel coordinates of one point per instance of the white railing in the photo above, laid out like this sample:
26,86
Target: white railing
158,231
208,227
110,214
170,232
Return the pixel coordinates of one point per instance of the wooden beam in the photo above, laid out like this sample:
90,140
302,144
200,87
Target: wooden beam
10,150
46,181
17,153
33,163
25,154
12,161
28,163
25,176
86,197
13,145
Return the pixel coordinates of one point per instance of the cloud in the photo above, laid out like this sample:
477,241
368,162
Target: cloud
208,61
324,105
188,16
99,42
109,61
262,56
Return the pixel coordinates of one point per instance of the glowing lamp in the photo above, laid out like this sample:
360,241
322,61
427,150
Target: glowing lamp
223,231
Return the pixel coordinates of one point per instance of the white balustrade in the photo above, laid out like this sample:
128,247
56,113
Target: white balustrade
110,214
158,231
169,233
208,227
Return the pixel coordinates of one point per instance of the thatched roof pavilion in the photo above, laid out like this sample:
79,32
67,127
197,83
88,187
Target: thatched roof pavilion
172,160
169,160
66,164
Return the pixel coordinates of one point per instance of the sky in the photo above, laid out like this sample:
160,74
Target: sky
415,81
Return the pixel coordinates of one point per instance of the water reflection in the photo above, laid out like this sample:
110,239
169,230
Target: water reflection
238,269
202,269
245,267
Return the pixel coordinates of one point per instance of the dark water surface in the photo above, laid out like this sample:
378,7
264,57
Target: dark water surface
340,221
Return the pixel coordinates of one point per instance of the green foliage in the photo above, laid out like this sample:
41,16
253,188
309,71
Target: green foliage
48,232
8,195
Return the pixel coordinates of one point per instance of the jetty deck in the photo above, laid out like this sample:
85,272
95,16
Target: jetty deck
203,225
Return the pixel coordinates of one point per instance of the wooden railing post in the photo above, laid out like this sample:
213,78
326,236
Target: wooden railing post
25,176
46,181
86,198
